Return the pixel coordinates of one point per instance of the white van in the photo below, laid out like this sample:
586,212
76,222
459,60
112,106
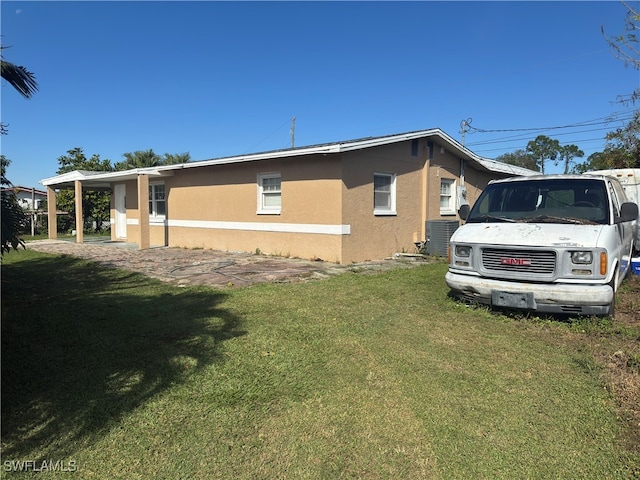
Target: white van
629,178
546,243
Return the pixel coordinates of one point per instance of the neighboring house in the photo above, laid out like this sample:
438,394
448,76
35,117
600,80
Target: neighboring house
342,202
28,198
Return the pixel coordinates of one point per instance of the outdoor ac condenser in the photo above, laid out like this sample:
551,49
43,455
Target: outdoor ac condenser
438,235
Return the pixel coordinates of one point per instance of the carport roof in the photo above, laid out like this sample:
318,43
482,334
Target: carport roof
99,179
104,179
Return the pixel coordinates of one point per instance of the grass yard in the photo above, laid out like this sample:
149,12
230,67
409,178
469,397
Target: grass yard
369,376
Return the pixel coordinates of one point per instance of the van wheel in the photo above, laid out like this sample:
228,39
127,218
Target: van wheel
612,306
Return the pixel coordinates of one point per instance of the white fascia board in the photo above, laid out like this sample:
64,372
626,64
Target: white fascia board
254,157
375,142
64,178
103,178
319,149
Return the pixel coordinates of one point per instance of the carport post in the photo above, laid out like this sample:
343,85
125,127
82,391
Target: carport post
143,211
79,221
52,209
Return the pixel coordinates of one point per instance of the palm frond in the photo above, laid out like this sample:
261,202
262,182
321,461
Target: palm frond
19,78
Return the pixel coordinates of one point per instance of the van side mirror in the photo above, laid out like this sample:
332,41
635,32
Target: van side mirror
628,212
464,210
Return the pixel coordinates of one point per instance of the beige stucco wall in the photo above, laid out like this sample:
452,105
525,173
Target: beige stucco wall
443,165
310,191
208,199
379,236
216,206
297,245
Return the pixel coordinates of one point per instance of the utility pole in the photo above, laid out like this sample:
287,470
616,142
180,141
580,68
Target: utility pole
293,132
464,125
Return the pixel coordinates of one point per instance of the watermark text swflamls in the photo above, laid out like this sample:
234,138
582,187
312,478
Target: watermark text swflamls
40,466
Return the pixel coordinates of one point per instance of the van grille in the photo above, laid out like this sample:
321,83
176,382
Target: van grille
527,261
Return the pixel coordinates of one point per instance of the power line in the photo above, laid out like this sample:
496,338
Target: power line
586,123
521,137
604,124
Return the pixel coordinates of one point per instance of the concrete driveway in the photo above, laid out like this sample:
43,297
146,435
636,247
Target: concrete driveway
209,267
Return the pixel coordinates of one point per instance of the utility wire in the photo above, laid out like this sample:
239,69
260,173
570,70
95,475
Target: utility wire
603,122
597,121
521,137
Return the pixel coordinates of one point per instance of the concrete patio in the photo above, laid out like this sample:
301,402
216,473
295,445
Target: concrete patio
208,267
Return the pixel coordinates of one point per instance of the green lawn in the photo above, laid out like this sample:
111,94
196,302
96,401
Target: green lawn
357,376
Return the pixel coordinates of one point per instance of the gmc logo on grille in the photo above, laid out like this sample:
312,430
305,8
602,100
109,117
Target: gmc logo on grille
515,261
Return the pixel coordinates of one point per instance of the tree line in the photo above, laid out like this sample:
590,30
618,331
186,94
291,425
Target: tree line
622,150
96,205
75,159
541,150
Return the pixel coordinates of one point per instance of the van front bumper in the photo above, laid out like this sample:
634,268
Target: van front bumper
565,298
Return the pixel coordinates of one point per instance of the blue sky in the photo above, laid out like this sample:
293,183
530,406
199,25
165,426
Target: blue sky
225,78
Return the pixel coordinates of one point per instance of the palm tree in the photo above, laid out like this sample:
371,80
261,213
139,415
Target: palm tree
174,158
12,216
139,159
18,77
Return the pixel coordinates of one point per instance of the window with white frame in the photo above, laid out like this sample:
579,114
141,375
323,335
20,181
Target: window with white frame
384,194
447,196
157,201
269,193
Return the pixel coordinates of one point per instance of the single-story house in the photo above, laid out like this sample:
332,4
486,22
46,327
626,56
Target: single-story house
28,198
342,202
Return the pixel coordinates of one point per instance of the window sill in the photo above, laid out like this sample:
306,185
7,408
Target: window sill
268,212
385,213
448,213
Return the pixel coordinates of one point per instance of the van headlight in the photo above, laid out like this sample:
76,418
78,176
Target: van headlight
461,257
582,257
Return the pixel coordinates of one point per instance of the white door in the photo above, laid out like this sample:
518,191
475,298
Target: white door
121,212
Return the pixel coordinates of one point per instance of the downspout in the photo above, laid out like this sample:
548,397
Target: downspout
425,192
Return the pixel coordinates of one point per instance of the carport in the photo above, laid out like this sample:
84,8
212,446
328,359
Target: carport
81,180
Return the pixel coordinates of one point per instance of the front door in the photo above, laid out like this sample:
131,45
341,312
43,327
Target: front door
119,193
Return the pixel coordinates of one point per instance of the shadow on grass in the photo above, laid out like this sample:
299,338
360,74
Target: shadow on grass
82,346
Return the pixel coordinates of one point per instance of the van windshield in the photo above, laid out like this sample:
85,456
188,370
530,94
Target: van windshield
570,201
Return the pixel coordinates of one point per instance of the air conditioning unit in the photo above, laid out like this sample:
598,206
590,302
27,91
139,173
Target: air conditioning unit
438,235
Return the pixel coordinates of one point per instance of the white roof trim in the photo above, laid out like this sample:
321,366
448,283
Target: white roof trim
337,147
93,178
100,178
